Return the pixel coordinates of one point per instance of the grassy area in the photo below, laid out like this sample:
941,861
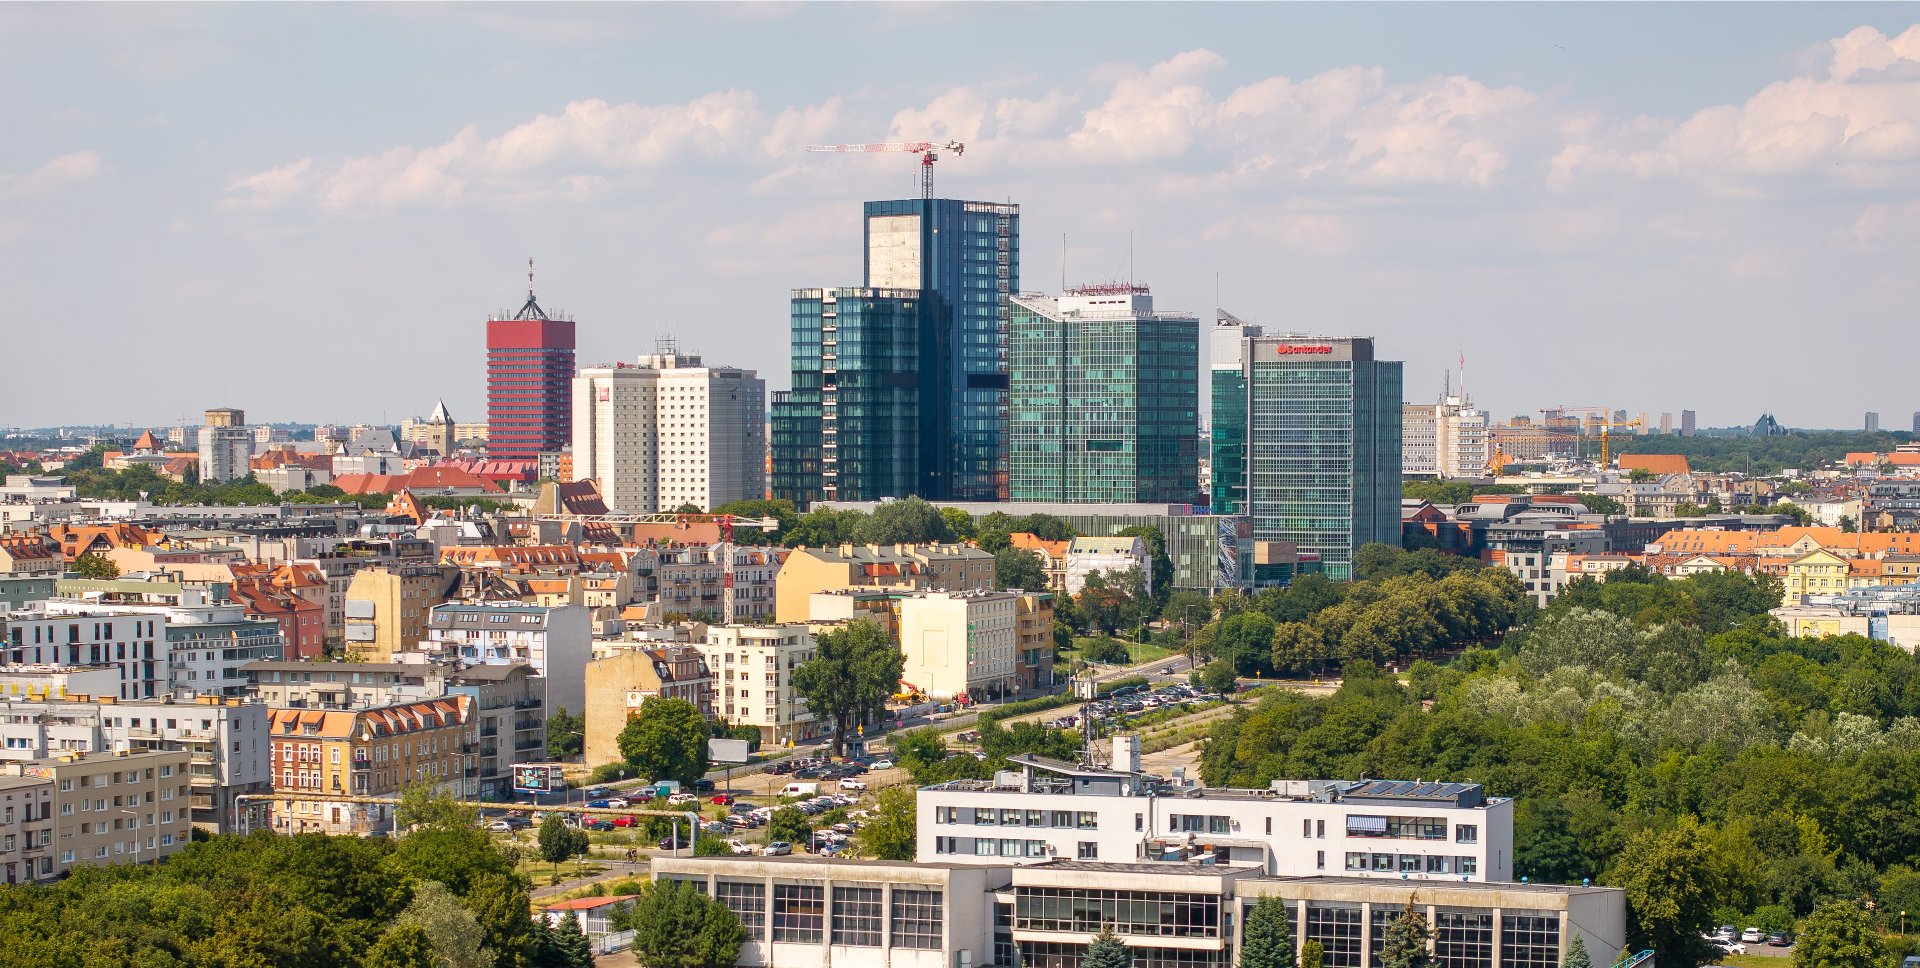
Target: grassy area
1137,652
1772,958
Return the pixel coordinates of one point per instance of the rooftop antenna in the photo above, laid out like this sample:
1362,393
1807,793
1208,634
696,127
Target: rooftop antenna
1063,263
529,278
1130,259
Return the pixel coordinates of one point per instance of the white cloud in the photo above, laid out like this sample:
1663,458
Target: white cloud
57,174
1856,122
569,155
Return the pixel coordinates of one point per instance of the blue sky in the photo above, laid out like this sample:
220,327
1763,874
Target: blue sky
308,210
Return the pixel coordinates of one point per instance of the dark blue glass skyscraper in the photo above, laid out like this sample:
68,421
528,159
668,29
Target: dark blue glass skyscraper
964,258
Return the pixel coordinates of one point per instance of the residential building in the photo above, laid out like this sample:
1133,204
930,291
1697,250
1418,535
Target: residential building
30,554
1210,552
530,357
555,642
1450,439
1103,404
960,644
1872,422
1052,555
850,428
1109,556
691,581
18,591
322,755
619,684
388,607
753,666
1365,828
510,723
1227,433
135,645
58,681
225,739
226,446
345,685
1033,642
949,567
208,636
1687,419
114,808
26,830
670,432
1323,445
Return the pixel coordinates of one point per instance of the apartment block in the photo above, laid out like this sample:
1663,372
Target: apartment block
208,636
136,645
670,431
388,606
620,683
753,671
226,446
947,567
26,830
961,644
556,643
115,808
321,756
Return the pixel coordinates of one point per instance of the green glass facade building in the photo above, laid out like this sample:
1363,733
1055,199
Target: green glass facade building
849,428
1227,403
1323,445
1103,402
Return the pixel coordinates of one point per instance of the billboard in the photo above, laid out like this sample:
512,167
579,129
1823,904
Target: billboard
727,750
537,778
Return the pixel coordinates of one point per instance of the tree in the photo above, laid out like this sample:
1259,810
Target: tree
1673,880
568,947
1160,567
889,833
917,750
1601,504
559,841
95,565
789,824
675,926
499,903
1577,956
854,670
1245,640
404,945
422,805
666,739
1688,509
1313,955
1218,676
1837,935
1268,936
452,929
959,524
1847,526
1107,951
906,521
1019,568
1406,942
566,735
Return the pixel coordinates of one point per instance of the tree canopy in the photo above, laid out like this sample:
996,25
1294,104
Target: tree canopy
666,740
853,671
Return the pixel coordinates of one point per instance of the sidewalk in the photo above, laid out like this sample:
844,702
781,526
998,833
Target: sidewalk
616,870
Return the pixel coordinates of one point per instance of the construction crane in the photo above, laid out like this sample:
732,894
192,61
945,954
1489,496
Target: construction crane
1607,423
929,152
1500,459
727,523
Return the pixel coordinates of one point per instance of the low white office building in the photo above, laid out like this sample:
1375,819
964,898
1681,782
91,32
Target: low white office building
1051,810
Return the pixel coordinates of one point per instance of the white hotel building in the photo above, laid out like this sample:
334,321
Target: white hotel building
1051,810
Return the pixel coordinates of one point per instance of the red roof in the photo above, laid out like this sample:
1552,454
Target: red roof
1655,463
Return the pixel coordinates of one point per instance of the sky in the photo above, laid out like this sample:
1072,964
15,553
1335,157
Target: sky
309,211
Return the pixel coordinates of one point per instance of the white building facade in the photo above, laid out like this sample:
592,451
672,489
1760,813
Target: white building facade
752,667
226,446
670,431
960,643
555,641
1449,439
136,645
1371,828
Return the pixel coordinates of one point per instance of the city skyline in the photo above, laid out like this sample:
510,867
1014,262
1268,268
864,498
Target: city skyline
1665,184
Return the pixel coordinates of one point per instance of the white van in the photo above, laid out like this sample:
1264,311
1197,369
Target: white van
800,790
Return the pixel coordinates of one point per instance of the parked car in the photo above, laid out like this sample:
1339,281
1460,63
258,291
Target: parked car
703,785
852,784
500,827
739,847
779,848
781,768
1753,936
615,803
673,842
600,823
596,792
602,804
517,821
642,796
723,798
1731,947
883,764
739,821
1724,932
683,799
626,821
1780,939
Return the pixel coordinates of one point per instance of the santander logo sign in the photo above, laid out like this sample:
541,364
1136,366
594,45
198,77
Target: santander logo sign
1297,349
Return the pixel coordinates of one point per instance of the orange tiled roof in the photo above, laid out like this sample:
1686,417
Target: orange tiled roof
146,441
1896,458
1027,541
1655,463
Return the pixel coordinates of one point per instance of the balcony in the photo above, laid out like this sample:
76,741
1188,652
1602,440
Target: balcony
529,744
529,723
489,730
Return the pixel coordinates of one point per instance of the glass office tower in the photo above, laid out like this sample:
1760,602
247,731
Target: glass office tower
964,258
1323,445
1227,437
848,430
1103,400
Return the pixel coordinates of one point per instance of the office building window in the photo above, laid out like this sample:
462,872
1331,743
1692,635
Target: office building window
1337,928
1089,850
1136,913
856,916
1529,939
918,919
1466,833
799,912
1462,939
1466,865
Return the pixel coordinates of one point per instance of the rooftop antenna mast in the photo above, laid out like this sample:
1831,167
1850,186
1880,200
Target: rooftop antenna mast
529,278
